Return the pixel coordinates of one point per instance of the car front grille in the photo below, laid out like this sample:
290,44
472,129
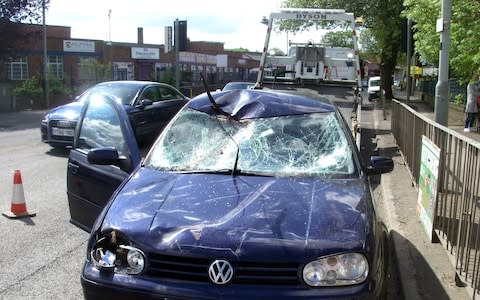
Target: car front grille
196,269
61,124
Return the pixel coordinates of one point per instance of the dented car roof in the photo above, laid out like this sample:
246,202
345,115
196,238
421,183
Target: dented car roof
251,104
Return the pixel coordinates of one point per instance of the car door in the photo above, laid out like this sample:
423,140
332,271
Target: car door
141,115
104,154
169,103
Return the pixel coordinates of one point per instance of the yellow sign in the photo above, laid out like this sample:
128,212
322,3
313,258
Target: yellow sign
414,70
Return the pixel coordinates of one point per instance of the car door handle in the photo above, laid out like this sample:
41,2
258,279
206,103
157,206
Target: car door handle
73,167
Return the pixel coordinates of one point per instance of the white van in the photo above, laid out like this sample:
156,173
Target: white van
373,87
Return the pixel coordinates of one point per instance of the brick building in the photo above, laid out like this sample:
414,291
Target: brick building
80,63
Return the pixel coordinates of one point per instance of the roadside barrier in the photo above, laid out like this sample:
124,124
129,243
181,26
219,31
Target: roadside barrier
18,208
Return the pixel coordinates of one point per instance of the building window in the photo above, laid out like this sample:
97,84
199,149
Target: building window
86,68
17,68
55,66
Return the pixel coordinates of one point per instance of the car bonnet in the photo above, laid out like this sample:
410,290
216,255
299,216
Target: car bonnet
242,215
68,111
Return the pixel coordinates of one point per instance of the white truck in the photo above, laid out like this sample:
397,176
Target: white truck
318,63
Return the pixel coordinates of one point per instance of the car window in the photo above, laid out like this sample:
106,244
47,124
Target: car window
167,93
311,144
101,127
374,82
124,93
151,93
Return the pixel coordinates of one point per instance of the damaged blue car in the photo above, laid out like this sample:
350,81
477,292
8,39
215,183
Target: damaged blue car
246,194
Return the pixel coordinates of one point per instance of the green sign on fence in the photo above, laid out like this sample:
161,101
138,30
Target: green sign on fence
427,185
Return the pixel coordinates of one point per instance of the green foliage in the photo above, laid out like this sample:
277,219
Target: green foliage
459,99
31,88
464,34
56,86
238,49
276,51
369,48
168,77
103,72
13,12
338,39
382,18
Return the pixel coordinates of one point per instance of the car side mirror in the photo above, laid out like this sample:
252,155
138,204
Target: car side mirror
379,165
104,156
145,102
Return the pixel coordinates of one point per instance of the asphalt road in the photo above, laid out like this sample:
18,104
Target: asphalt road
42,256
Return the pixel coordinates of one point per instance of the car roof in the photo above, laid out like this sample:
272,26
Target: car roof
251,104
130,82
240,82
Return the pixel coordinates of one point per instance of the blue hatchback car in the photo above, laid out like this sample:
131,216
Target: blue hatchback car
246,194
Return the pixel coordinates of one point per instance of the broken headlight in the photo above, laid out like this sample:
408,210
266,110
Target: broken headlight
111,254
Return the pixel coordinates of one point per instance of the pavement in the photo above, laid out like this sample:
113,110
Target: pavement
425,269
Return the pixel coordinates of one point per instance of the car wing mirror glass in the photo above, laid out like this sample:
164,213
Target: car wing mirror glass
103,156
144,102
380,165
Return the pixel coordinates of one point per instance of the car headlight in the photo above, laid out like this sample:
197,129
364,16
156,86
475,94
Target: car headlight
45,120
336,270
112,255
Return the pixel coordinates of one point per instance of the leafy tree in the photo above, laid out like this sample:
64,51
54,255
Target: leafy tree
382,17
338,39
276,51
464,35
11,13
238,49
369,47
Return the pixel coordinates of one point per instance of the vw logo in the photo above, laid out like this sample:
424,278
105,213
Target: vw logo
220,271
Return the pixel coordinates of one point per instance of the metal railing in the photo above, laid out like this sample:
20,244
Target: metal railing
456,215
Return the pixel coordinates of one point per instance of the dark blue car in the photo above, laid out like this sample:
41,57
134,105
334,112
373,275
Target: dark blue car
150,106
246,194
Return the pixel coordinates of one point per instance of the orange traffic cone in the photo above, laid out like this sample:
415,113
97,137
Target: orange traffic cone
18,208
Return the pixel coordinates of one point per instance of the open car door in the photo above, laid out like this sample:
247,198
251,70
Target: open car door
104,154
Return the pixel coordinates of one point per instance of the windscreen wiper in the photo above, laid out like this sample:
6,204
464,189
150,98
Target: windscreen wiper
215,106
219,110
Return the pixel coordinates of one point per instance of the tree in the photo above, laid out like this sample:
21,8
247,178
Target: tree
13,12
464,35
382,17
369,47
338,39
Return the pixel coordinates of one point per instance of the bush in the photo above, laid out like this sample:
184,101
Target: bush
31,88
459,99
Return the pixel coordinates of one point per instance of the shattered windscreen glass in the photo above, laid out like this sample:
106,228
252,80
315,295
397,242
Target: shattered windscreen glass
307,145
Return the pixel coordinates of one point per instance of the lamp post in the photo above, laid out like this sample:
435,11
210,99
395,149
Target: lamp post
45,59
442,88
109,43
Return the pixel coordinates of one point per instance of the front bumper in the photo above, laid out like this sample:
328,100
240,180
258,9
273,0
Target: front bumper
57,140
99,285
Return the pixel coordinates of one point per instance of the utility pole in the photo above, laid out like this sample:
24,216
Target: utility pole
109,43
177,54
45,59
409,59
442,87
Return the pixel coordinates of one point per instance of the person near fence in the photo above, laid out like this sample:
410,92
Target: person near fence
471,107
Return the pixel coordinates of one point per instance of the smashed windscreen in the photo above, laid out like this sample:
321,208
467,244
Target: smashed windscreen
307,145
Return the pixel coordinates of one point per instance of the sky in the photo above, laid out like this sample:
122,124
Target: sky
234,23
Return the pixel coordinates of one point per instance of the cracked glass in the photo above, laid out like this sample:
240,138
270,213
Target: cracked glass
306,145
